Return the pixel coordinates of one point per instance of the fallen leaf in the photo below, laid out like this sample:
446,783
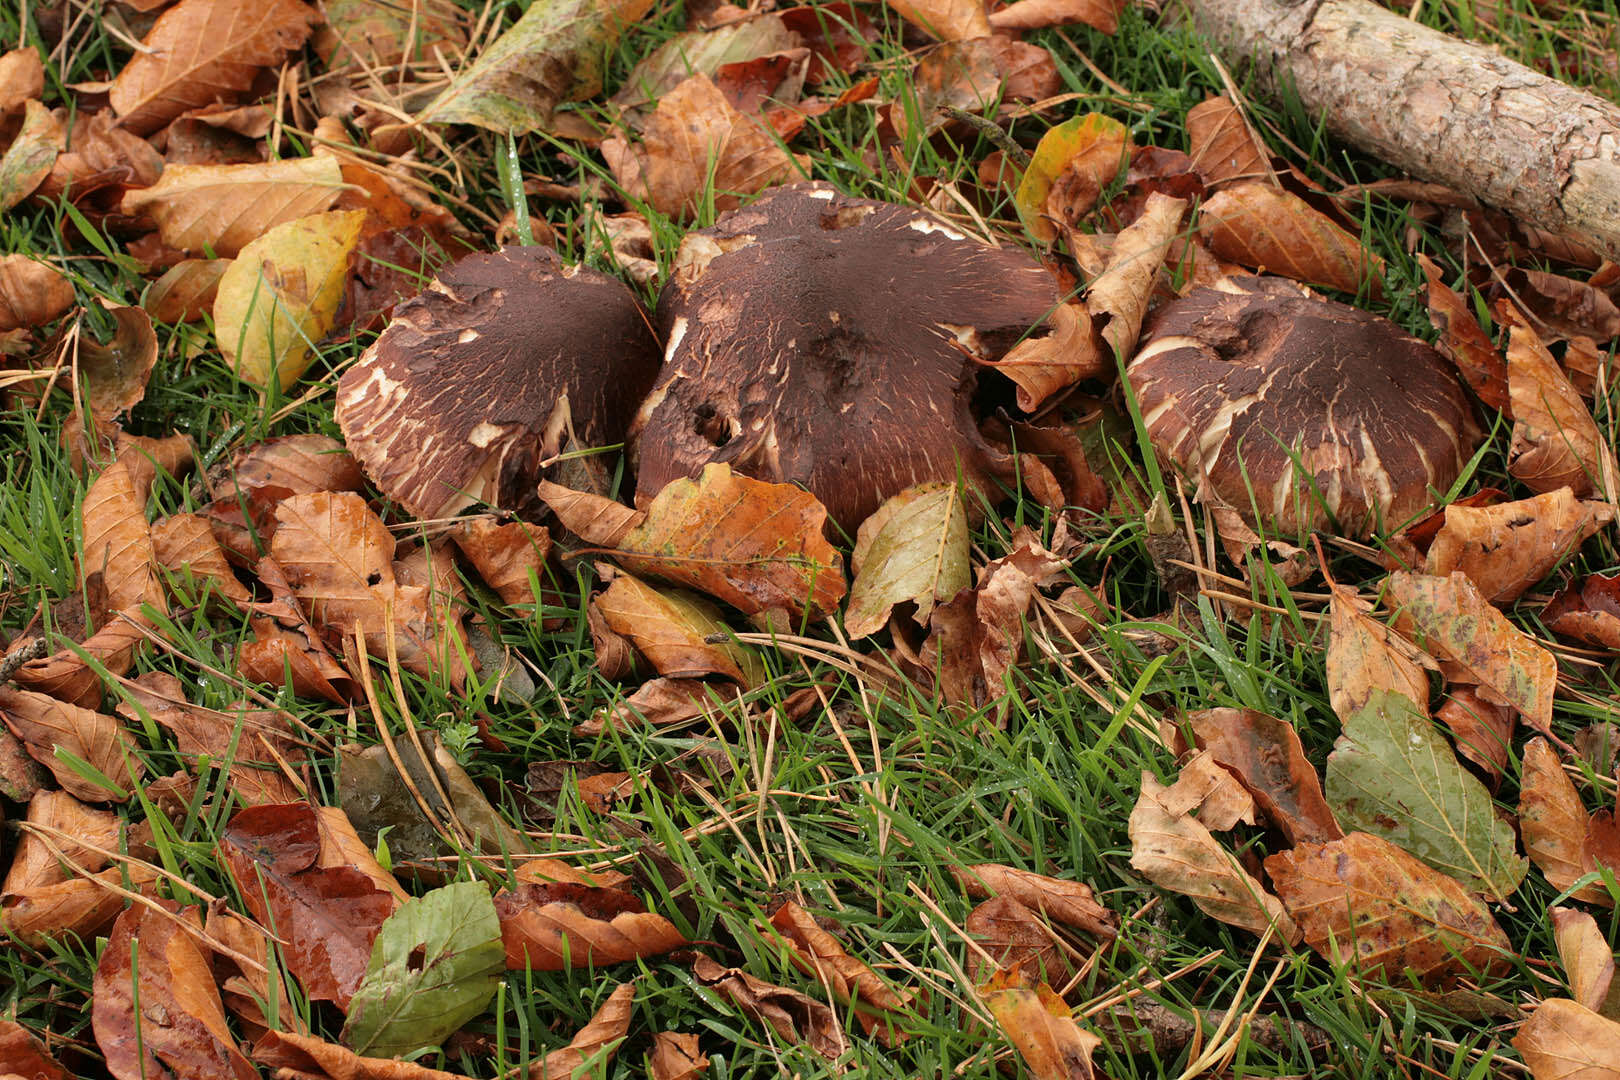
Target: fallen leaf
28,160
1451,619
1066,175
434,966
1102,15
553,54
594,1044
946,20
913,549
1365,903
974,75
34,863
703,52
25,1057
1265,228
695,143
1208,792
280,296
370,37
59,735
1588,611
328,917
116,558
81,907
1556,443
511,558
303,1057
287,651
1567,307
789,1014
1508,547
71,674
1588,961
1224,148
263,474
186,543
32,293
154,1007
672,628
665,703
1179,854
1039,1024
561,926
675,1056
818,954
1392,774
1265,754
1067,354
22,76
250,994
1554,824
1118,299
219,210
1015,939
1481,728
1469,347
1564,1040
202,51
1071,903
114,374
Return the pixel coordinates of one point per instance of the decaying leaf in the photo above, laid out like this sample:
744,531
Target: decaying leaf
594,1044
1224,148
281,296
1066,175
1588,611
788,1013
373,37
1179,854
1118,299
1481,727
115,373
1556,443
186,543
80,907
1015,938
818,954
287,651
1100,15
35,863
1365,656
28,160
69,675
1068,353
32,293
154,1007
665,703
675,1056
1392,774
1364,902
296,1056
218,210
1071,903
560,926
185,292
1207,791
1449,617
1554,823
1462,339
248,993
914,548
1508,547
1265,754
116,560
89,753
946,20
263,474
1038,1023
1588,961
673,629
510,557
22,76
1564,1040
22,1055
1266,228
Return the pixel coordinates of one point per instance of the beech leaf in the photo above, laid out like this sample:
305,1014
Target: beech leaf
559,926
1038,1023
28,160
1588,961
946,20
117,559
221,209
789,1014
817,953
1465,342
914,548
1100,15
1556,443
1223,147
32,293
1072,903
59,735
595,1043
675,1056
1508,547
1554,823
1266,228
1266,756
1085,154
1564,1040
1118,298
673,629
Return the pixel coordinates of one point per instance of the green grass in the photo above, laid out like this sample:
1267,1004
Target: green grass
858,809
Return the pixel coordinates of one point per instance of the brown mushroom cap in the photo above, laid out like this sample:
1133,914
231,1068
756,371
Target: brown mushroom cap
483,376
1235,386
835,343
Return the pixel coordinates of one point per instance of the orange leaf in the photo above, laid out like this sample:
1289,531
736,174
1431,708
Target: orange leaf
1100,15
67,675
21,1054
511,558
1071,903
55,733
32,293
1588,611
185,542
1016,939
818,954
116,559
308,1058
790,1014
1223,147
1508,547
946,20
1118,299
672,628
1554,823
1363,656
1462,339
594,1043
1265,754
1556,443
560,926
1588,961
1269,229
81,907
1037,1022
1564,1040
676,1056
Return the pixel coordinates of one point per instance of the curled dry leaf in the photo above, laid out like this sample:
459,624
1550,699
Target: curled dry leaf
560,926
1071,903
946,20
59,735
1265,754
1554,823
1364,902
1265,228
218,210
1588,611
914,548
245,991
21,1054
594,1044
202,51
790,1014
328,916
280,296
665,703
185,292
1067,354
1451,619
1037,1022
672,628
32,293
1118,299
295,1056
286,650
185,542
1100,15
154,1007
1556,443
115,373
116,560
1179,854
34,863
675,1056
511,558
1564,1040
1210,793
1066,175
695,142
28,160
70,675
1588,961
80,907
820,955
1469,347
1223,147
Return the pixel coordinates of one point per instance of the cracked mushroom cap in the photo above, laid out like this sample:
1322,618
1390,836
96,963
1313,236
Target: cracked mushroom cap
498,365
1235,386
834,343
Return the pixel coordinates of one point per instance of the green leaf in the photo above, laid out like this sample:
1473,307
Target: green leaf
915,547
1394,775
434,966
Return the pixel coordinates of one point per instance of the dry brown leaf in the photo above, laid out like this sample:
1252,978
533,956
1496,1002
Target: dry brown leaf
287,651
303,1057
1564,1040
1100,15
1567,307
1469,347
1210,793
672,628
81,907
1265,228
68,675
946,20
1588,961
114,374
1015,938
665,703
695,136
1223,147
32,154
35,865
594,1044
789,1014
269,471
1588,611
1481,728
202,51
511,558
186,291
1118,300
1038,1023
1508,547
1066,354
1179,854
1364,902
21,1055
56,733
185,542
676,1056
1265,754
1071,903
1364,655
1556,443
820,955
340,846
248,991
1553,823
154,1007
559,926
116,560
22,76
220,209
32,293
101,160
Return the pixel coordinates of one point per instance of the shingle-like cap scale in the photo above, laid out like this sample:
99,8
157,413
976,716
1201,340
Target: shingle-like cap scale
487,372
1298,412
833,342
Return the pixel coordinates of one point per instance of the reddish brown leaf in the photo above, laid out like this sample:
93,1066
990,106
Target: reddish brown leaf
116,560
820,955
287,650
154,1006
248,991
327,916
1567,307
1468,346
1068,353
559,926
1038,14
1556,443
788,1013
1509,547
202,51
1038,1023
1481,728
1015,938
1588,612
664,703
1266,228
22,1055
675,1056
1118,299
32,293
267,472
1564,1040
1554,824
80,907
595,1043
185,542
1224,148
56,733
22,76
672,628
67,674
1266,756
1071,903
304,1057
115,373
511,558
1364,902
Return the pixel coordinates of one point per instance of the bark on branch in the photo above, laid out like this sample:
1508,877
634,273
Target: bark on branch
1439,108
